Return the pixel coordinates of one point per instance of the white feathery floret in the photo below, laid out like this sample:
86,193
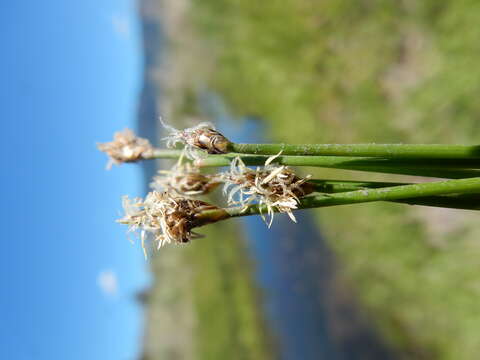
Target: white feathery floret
274,186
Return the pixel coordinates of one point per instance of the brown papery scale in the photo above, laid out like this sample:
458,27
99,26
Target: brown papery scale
210,140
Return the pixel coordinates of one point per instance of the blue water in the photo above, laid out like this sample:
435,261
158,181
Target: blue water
296,272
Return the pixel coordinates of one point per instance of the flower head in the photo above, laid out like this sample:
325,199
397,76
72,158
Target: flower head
202,136
165,217
185,179
276,187
126,147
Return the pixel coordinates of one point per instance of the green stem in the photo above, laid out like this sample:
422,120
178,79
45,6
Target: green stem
336,186
466,202
164,154
442,168
403,192
391,151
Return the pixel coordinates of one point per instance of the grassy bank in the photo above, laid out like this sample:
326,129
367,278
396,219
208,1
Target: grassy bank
204,303
368,71
231,324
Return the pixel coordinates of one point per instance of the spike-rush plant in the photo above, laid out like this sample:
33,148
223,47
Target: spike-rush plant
170,212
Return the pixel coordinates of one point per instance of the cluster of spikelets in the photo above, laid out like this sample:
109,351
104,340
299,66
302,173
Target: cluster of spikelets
168,213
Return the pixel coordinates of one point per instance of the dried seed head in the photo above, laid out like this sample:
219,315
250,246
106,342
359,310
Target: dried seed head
203,137
165,217
126,147
185,179
273,186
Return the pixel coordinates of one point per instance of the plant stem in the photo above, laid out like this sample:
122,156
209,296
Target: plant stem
336,186
394,193
391,151
442,168
466,202
164,154
463,202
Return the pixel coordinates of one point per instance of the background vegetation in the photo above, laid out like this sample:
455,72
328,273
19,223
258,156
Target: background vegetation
360,71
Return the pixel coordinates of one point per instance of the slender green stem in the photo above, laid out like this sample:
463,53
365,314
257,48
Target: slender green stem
442,168
164,154
462,186
467,202
432,168
391,151
403,192
464,202
336,186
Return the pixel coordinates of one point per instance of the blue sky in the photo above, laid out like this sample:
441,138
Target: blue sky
70,73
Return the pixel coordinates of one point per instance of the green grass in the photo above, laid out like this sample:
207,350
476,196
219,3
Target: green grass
229,319
205,301
369,71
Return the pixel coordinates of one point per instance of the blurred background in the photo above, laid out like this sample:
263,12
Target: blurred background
370,281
